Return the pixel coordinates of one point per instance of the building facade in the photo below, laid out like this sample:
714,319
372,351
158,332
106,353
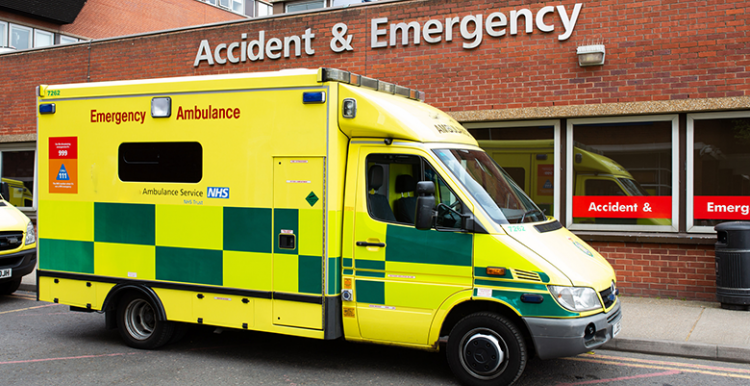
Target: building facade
36,24
627,120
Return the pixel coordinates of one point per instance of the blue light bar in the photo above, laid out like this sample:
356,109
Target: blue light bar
314,97
47,108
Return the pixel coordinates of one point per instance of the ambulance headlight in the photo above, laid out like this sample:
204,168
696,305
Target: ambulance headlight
576,298
161,107
349,108
30,235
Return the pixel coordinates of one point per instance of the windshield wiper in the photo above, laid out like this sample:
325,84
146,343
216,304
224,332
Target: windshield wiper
530,211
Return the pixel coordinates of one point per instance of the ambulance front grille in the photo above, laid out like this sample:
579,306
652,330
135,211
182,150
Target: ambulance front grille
10,240
605,297
527,275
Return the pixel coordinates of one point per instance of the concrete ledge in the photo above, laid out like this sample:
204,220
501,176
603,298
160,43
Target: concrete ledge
681,349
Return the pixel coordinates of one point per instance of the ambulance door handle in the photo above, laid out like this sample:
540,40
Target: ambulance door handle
367,244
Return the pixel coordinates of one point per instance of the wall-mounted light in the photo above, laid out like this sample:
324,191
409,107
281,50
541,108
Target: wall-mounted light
591,55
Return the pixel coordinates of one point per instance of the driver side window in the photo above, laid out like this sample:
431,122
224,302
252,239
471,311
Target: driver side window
391,186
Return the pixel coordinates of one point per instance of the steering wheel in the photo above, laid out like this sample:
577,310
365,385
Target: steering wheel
448,215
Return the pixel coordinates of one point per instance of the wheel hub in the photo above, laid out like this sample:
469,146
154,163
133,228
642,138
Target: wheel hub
483,354
140,319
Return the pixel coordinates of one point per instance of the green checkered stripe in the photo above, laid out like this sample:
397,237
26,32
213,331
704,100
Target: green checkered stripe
251,230
409,245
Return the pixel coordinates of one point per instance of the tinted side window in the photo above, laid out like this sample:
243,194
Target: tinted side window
161,162
391,184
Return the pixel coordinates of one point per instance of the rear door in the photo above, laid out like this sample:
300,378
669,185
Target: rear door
298,218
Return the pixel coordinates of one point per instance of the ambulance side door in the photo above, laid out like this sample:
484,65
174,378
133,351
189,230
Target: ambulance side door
402,275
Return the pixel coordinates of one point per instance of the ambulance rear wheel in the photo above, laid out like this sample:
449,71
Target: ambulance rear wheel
486,349
138,324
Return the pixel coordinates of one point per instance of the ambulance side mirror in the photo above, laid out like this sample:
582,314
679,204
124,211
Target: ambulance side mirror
425,205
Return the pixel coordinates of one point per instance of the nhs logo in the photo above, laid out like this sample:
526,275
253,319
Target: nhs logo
218,192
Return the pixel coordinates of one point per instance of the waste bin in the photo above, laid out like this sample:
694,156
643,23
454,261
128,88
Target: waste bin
733,265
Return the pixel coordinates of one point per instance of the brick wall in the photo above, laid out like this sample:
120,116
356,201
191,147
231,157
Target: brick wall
656,50
662,270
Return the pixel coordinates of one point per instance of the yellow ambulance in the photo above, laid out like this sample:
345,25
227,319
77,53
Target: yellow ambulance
315,203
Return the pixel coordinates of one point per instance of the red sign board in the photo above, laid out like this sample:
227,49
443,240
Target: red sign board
63,165
721,207
622,206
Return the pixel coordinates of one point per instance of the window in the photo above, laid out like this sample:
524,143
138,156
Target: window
43,38
224,3
391,184
718,180
17,170
264,9
237,6
67,39
20,37
305,6
339,3
250,8
622,173
528,152
3,34
492,188
161,162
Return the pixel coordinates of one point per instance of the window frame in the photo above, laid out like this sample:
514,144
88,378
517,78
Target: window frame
4,27
188,157
555,123
43,32
286,6
24,146
258,4
21,27
675,226
241,3
72,39
690,165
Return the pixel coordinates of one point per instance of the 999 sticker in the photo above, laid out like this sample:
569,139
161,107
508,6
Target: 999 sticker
63,165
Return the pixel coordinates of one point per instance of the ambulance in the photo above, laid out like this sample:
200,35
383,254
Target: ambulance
314,203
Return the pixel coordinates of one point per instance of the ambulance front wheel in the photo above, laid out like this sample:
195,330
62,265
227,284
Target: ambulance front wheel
486,349
139,325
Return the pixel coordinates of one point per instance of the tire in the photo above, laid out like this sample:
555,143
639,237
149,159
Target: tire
138,324
180,330
9,287
486,349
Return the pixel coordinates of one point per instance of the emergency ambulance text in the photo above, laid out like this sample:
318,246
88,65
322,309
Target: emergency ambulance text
208,113
118,117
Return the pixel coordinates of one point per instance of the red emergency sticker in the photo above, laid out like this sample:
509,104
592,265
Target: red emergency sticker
63,165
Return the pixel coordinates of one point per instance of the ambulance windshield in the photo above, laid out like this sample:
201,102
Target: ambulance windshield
491,186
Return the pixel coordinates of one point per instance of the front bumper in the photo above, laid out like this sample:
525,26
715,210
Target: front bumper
555,338
22,263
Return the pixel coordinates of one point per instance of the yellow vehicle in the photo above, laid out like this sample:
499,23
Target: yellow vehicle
18,194
17,243
314,203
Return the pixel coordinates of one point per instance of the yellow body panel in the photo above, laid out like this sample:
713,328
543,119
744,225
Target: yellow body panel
60,216
248,270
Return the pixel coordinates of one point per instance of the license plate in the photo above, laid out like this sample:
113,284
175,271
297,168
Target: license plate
616,329
6,272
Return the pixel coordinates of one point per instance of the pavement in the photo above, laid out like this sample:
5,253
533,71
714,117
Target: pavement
672,327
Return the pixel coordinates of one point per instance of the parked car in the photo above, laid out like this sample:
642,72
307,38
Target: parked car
17,244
